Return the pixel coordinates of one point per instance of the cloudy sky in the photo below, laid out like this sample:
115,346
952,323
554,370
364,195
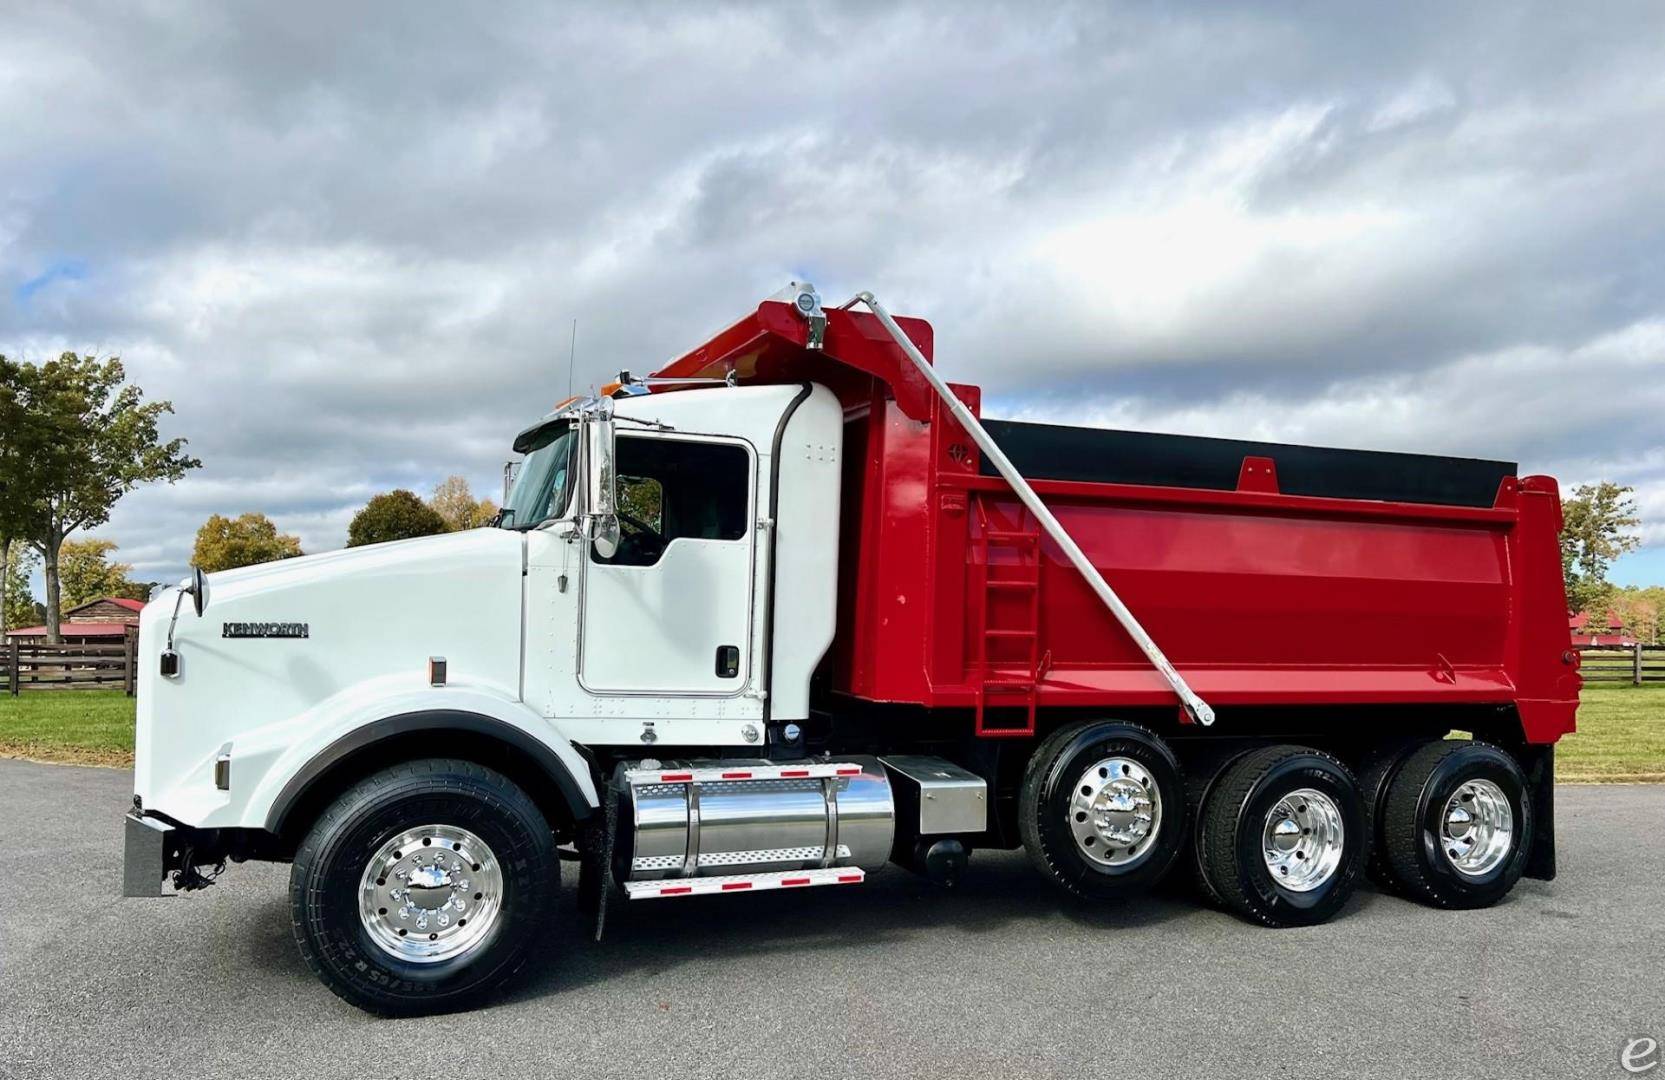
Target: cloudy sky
348,242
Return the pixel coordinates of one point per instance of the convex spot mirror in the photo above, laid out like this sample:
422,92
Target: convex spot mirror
196,587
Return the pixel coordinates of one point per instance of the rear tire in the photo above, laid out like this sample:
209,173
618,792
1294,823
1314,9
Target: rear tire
386,885
1457,825
1374,781
1282,836
1102,809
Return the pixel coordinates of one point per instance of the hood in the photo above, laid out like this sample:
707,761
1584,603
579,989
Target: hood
280,641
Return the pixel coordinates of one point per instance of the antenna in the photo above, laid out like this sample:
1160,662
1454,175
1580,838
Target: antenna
572,356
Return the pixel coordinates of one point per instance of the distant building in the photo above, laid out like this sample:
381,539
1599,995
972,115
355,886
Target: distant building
1588,631
97,622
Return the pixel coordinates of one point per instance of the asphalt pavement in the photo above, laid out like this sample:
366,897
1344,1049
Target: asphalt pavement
892,978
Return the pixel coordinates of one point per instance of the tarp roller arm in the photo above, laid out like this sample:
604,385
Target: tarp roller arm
1198,709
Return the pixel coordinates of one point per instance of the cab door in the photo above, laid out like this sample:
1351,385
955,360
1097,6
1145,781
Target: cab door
669,612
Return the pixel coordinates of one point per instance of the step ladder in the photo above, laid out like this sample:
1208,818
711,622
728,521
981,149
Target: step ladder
1001,649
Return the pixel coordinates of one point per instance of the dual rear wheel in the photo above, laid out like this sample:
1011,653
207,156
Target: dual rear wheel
1282,834
1454,824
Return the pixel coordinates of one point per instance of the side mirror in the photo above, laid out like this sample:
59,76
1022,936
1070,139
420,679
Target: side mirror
197,588
601,518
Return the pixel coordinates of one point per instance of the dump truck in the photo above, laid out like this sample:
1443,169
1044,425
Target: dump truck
790,609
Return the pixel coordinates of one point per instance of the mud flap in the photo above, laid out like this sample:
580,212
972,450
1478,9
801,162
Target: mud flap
596,862
1538,762
145,863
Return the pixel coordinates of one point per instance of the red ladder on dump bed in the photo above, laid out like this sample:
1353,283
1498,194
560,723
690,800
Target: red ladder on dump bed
1014,647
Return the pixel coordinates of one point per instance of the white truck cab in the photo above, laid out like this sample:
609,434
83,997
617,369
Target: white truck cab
663,575
665,641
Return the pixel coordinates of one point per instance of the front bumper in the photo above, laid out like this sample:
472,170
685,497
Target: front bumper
156,849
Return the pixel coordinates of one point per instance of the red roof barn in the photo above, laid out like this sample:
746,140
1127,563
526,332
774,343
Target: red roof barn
1587,631
103,621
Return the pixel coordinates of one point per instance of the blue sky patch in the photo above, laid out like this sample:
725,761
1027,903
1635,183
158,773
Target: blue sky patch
62,270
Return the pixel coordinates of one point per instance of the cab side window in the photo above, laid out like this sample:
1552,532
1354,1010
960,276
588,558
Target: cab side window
670,490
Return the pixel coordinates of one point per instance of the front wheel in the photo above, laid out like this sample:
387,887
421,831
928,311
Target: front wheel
420,889
1102,809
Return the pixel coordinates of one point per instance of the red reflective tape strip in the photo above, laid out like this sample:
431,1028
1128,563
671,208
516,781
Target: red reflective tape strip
854,770
730,886
794,881
788,774
676,890
674,777
844,879
737,776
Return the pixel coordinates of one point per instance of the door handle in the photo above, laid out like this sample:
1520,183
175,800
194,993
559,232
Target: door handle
728,661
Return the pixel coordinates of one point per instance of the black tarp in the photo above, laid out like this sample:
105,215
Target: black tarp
1104,456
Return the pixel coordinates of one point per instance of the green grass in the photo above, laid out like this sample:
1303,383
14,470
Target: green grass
85,727
1620,737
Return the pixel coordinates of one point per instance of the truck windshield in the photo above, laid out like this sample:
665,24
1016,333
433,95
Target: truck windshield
544,481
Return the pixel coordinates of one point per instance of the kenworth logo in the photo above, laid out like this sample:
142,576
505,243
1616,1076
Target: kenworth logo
265,629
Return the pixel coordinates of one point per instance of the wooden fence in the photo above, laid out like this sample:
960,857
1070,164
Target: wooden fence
1634,664
32,666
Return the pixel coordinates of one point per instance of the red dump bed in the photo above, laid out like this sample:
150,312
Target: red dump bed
1270,575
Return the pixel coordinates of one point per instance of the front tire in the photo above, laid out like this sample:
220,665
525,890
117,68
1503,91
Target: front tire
1457,825
420,889
1282,836
1102,809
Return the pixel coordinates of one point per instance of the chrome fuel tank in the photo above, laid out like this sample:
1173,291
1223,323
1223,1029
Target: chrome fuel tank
704,818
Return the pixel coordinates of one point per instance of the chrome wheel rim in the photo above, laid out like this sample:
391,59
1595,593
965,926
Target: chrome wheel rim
1477,828
431,893
1115,812
1302,840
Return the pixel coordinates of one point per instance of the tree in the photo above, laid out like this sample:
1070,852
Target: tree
1641,612
17,598
642,498
1652,597
91,439
1598,525
454,502
87,574
394,515
20,499
226,543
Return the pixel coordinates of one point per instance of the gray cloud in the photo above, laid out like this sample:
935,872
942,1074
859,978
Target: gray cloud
347,241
